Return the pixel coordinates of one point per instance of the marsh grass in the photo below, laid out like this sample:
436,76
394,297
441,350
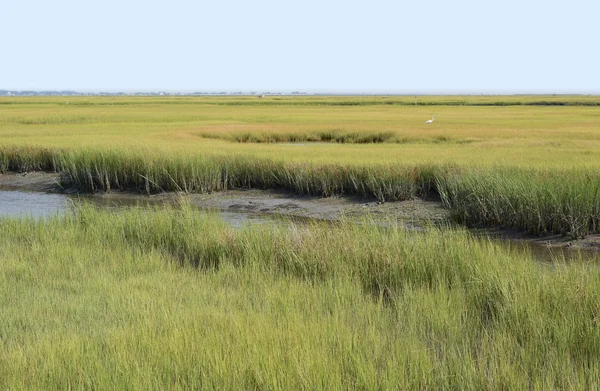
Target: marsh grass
566,202
333,136
95,170
56,120
25,159
174,299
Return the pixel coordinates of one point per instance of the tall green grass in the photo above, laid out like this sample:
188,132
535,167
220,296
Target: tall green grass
96,170
25,159
172,299
566,202
562,201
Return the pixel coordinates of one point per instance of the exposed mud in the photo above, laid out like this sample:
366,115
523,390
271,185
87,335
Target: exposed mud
31,181
413,213
332,208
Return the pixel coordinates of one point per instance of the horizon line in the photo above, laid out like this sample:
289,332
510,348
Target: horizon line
300,92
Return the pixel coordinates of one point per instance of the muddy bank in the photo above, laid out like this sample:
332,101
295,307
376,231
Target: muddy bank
291,205
413,213
32,181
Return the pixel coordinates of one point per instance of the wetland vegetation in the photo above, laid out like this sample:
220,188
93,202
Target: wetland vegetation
176,299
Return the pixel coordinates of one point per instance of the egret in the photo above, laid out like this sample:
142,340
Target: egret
431,120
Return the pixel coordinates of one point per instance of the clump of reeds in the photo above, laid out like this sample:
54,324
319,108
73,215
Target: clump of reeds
24,159
56,120
566,202
95,170
328,136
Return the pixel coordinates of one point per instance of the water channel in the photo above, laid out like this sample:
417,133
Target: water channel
40,205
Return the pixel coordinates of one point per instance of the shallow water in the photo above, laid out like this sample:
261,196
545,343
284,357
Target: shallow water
547,254
37,205
40,205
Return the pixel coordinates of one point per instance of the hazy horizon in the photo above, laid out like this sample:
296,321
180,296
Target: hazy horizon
309,91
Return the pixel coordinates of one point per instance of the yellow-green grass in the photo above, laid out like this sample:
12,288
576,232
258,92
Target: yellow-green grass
546,156
171,299
543,136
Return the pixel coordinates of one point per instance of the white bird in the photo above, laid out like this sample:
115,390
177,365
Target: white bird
431,120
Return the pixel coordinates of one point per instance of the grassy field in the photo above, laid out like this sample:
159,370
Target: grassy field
172,299
525,162
543,136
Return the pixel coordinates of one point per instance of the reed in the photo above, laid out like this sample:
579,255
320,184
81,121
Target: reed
566,202
93,170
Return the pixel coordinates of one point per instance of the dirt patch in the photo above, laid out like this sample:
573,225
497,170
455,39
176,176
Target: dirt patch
332,208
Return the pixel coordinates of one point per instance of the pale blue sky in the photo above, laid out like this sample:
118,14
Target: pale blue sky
459,46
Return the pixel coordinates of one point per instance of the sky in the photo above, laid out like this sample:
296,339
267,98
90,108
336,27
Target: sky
375,46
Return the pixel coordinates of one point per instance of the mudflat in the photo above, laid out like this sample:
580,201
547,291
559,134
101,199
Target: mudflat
31,181
412,213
